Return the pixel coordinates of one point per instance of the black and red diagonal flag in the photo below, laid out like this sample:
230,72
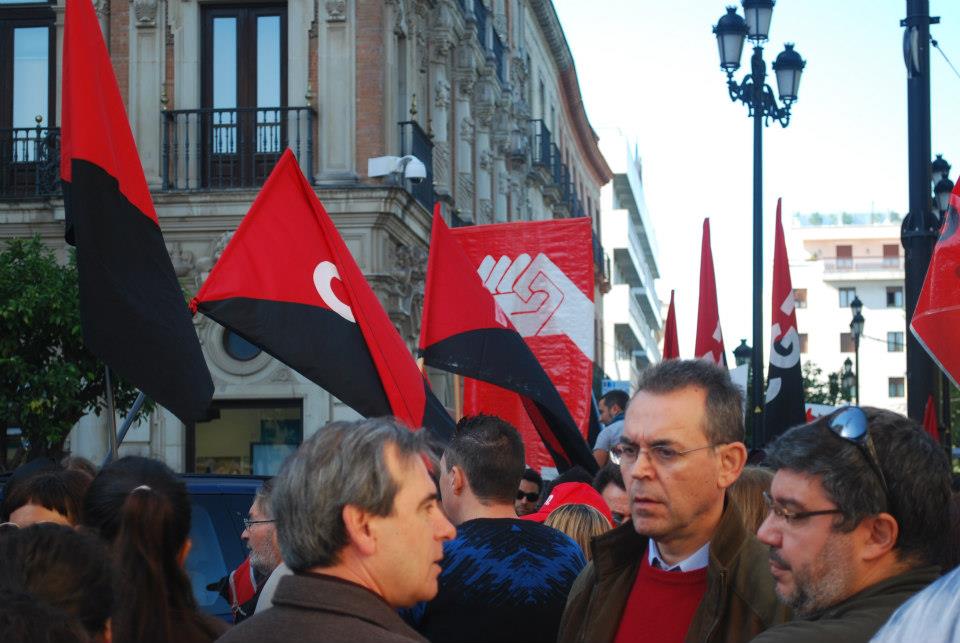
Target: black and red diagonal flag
287,283
464,331
133,312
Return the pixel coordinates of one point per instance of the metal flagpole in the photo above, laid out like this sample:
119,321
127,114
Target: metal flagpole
127,421
111,418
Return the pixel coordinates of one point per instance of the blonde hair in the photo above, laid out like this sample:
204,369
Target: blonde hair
747,494
580,522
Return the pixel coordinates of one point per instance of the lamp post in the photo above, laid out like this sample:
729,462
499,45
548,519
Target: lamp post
731,30
856,331
848,380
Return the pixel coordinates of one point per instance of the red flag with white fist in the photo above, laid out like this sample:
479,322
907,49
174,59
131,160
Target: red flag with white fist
709,337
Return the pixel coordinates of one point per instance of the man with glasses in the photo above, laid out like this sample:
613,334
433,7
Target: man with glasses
859,520
528,495
683,568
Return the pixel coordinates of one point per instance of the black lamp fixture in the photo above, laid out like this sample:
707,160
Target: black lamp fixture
939,169
742,353
856,306
942,185
847,378
856,331
753,91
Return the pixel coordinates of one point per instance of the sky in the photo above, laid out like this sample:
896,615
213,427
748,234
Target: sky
651,69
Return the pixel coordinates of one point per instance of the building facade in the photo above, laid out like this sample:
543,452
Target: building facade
834,258
483,92
632,321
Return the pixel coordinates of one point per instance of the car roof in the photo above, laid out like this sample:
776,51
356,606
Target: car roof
211,483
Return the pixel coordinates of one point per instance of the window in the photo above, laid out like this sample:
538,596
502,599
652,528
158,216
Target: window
895,387
803,342
894,296
847,295
891,255
28,100
895,341
800,297
244,85
844,256
846,343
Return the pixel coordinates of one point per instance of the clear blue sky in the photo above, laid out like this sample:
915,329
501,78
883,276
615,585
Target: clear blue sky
652,70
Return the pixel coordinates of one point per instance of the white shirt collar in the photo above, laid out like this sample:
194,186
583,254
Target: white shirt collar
698,560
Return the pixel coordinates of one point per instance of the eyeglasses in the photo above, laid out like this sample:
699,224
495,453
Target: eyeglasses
791,517
627,453
851,425
531,497
247,523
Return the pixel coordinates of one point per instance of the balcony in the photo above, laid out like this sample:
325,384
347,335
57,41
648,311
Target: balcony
541,155
862,268
222,149
414,141
29,162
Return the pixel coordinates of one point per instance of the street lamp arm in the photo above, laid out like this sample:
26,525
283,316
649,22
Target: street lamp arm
743,92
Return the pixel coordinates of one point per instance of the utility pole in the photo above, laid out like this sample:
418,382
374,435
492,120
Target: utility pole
919,230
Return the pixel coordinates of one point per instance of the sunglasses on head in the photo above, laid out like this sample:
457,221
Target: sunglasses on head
851,425
531,497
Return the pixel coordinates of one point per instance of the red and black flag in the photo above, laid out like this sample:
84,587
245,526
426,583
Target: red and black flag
132,309
464,331
287,283
784,406
671,346
709,336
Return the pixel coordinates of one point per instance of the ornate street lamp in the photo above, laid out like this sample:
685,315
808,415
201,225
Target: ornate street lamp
848,379
742,353
856,331
753,91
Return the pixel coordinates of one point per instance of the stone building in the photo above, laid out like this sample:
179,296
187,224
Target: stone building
483,92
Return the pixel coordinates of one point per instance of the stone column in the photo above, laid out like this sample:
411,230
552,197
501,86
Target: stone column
440,116
485,168
146,81
336,97
465,144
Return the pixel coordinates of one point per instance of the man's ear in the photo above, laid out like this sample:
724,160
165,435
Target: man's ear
877,535
357,523
458,480
733,457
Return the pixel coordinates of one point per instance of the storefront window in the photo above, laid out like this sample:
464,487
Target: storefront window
247,437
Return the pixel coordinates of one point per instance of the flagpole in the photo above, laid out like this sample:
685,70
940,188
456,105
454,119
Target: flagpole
457,397
125,427
111,417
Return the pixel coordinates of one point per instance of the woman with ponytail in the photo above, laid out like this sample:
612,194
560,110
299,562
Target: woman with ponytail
139,507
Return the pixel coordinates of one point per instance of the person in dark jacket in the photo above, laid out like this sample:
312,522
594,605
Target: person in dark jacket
359,522
857,522
683,568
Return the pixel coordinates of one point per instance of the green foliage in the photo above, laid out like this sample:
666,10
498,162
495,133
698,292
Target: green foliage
818,391
48,378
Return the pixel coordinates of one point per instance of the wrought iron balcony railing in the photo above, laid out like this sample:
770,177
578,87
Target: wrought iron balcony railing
541,154
414,141
861,264
29,162
218,149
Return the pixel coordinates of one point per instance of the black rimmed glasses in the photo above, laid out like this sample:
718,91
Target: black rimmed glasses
247,522
531,497
791,517
851,424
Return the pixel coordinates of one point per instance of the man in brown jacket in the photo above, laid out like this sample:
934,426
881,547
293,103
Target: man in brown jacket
684,568
360,524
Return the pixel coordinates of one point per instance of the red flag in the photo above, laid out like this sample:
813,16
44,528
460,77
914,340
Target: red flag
709,337
131,305
465,331
930,420
671,347
937,315
287,283
784,404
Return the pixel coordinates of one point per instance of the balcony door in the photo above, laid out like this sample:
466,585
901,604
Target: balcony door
244,93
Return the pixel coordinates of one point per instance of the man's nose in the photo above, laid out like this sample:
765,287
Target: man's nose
445,529
768,534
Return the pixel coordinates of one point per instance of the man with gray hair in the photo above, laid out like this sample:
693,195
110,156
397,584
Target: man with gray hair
360,525
684,567
859,520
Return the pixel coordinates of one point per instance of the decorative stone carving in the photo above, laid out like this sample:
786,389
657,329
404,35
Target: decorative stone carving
441,165
467,128
205,264
102,7
336,10
486,160
465,84
281,374
145,12
465,190
404,287
486,211
183,261
441,94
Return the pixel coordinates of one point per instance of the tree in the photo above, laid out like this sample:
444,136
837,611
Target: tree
48,378
818,391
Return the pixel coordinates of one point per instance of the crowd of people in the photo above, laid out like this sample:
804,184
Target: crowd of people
844,529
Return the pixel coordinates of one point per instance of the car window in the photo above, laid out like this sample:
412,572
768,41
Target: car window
206,563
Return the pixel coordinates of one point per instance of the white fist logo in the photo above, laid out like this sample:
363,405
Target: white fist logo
539,299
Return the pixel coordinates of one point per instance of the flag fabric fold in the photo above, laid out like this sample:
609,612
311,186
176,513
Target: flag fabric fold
671,346
464,331
930,419
709,337
784,406
937,314
132,309
287,283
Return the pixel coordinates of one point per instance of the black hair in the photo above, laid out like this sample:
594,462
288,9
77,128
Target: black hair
62,567
61,491
914,467
24,619
490,452
140,508
616,396
532,475
608,473
573,474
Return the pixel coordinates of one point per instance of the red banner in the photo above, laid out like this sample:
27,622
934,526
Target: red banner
541,275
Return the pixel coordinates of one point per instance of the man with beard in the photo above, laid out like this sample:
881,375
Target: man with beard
683,567
858,520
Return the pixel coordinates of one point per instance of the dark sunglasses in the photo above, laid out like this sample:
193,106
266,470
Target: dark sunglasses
531,497
851,425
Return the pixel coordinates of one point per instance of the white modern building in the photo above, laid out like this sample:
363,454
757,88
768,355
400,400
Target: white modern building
632,320
834,258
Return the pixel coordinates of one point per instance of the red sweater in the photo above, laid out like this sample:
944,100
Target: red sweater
661,605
